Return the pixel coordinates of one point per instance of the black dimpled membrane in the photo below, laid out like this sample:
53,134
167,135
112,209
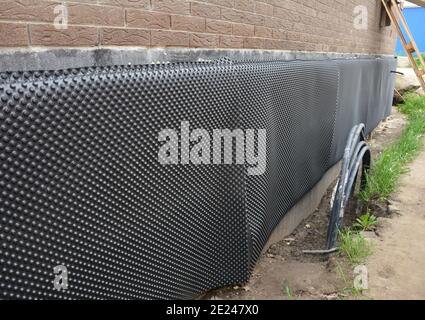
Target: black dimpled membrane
296,103
81,184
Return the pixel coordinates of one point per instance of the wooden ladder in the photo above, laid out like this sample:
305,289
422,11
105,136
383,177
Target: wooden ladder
396,16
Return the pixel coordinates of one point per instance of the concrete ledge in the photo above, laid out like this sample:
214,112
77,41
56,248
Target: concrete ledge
54,59
304,208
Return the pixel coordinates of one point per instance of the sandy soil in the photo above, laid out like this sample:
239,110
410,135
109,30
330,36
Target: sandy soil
397,267
285,266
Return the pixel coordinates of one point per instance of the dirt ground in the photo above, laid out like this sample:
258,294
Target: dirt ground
397,267
285,272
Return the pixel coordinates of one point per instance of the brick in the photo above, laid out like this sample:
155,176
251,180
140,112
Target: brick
27,10
205,10
243,30
171,6
187,23
279,34
47,35
263,9
79,1
271,24
147,19
218,26
294,45
231,42
170,39
263,32
241,17
287,15
126,37
272,44
276,23
253,43
13,35
95,15
285,4
293,36
140,4
245,5
223,3
204,41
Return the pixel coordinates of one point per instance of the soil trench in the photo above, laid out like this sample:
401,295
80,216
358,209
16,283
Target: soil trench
285,272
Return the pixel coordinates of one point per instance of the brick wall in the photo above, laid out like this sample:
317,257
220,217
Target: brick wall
320,25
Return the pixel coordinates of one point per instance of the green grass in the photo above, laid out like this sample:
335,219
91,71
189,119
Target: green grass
366,222
383,178
349,288
354,246
290,293
418,61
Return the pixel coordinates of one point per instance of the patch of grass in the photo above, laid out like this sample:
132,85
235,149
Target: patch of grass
383,178
418,61
290,293
349,288
366,222
354,246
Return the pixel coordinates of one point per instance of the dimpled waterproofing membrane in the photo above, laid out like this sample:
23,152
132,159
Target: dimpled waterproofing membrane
299,118
81,184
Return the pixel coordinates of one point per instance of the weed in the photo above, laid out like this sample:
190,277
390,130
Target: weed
418,62
354,246
366,222
349,288
290,294
383,178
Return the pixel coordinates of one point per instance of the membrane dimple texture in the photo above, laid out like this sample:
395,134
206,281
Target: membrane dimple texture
81,185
